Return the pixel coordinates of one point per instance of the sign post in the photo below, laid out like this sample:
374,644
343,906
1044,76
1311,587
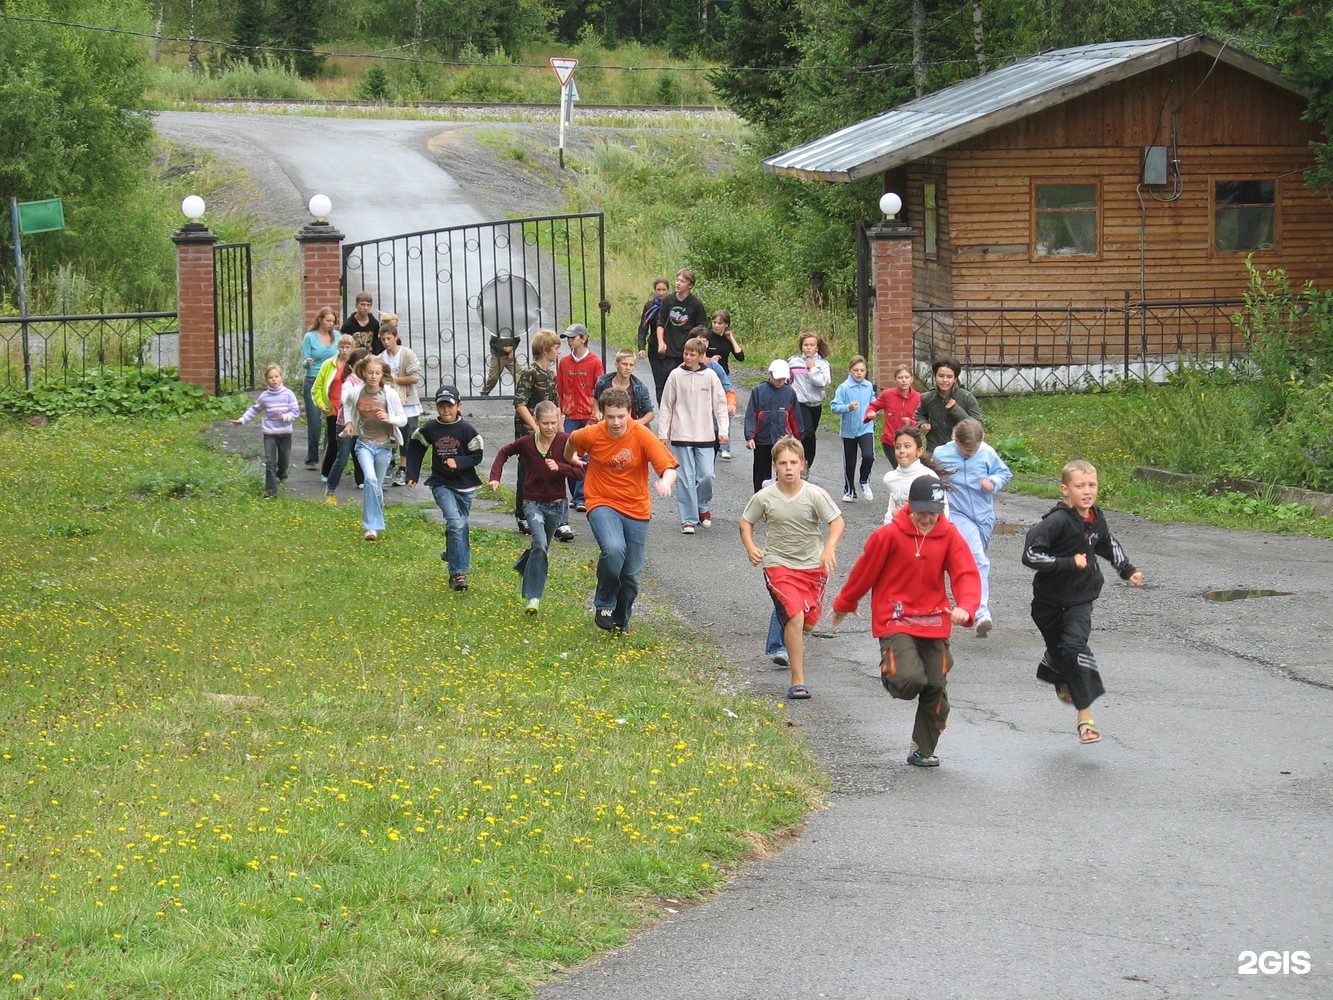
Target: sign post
30,217
564,70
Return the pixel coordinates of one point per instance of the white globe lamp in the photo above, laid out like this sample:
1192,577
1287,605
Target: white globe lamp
890,204
193,208
320,207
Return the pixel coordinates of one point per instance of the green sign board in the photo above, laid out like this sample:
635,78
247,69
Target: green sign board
41,216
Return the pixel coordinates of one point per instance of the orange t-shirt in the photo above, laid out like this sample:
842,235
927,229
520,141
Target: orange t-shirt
617,473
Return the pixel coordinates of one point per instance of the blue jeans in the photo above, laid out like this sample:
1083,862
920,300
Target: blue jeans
374,462
314,422
543,517
342,452
775,643
455,507
624,544
694,479
575,485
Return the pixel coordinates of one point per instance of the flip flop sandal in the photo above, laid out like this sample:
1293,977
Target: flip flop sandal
798,692
1062,692
1088,732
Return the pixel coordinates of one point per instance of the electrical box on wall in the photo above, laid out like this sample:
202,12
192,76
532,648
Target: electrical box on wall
1154,164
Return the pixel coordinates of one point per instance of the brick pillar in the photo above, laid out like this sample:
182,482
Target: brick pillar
321,269
891,269
195,305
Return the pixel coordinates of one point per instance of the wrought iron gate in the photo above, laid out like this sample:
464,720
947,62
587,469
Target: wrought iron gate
234,318
460,291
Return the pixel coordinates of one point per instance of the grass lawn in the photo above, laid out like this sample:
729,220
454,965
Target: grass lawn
247,754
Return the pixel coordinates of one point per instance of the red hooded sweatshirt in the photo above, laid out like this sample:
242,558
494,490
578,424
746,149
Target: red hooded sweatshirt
904,572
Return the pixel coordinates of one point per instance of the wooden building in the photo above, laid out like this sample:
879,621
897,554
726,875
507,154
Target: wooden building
1093,201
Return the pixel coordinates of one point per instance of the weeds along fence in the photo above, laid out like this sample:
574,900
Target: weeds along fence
1007,350
56,349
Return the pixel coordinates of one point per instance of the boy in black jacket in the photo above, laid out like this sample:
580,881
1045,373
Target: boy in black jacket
1063,548
455,452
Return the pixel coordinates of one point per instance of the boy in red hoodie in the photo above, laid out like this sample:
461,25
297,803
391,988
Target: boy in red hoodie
903,565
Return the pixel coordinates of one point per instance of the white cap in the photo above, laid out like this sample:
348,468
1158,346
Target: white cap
778,369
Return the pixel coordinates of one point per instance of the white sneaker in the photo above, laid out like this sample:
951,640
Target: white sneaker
866,492
849,497
984,626
687,529
533,605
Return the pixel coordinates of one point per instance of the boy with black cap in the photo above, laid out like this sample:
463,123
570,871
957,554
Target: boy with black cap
903,565
455,452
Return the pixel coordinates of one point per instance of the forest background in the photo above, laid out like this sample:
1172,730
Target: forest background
79,80
71,99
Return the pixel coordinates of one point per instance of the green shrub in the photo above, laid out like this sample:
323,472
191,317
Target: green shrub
148,393
1301,449
240,78
1202,421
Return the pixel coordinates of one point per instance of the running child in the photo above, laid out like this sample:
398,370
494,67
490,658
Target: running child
810,379
374,416
899,403
535,383
545,507
909,448
977,474
1063,548
772,413
851,400
280,408
692,420
904,566
945,405
619,507
575,375
455,448
797,558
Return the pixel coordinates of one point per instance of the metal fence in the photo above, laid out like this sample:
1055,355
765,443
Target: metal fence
1019,349
64,348
456,290
233,318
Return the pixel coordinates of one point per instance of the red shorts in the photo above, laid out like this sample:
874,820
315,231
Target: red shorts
797,591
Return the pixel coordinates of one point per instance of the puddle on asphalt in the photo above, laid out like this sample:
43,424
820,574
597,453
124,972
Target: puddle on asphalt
1243,595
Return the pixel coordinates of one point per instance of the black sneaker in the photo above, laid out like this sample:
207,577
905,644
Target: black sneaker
523,527
458,581
605,618
564,533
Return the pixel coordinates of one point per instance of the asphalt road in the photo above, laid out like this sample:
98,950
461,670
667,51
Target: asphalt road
376,173
1026,866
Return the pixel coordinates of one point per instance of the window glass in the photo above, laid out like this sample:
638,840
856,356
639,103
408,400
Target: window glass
1066,220
932,218
1244,215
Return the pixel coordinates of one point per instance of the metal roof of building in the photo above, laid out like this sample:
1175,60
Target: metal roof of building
964,110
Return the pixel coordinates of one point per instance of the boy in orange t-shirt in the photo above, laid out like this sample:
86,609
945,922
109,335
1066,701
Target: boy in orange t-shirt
615,487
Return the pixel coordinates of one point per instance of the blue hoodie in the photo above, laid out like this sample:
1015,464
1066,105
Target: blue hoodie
853,421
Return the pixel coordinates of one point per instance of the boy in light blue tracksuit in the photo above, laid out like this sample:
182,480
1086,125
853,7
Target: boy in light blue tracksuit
978,473
850,400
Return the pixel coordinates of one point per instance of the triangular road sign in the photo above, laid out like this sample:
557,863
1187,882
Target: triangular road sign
564,68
